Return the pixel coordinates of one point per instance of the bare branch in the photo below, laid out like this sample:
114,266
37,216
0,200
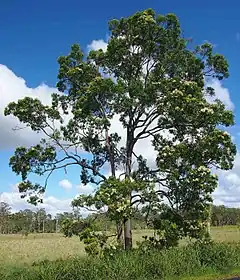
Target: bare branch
46,180
93,210
135,195
146,125
76,159
136,201
148,115
150,132
59,167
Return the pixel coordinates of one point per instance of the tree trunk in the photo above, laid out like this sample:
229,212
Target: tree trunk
43,229
128,235
56,225
39,222
209,220
119,226
127,224
120,233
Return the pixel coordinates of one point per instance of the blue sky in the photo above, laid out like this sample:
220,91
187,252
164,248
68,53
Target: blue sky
34,33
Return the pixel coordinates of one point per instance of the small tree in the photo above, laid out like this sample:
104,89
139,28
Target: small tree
5,212
151,79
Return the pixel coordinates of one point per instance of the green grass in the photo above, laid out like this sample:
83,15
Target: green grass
215,275
66,255
173,264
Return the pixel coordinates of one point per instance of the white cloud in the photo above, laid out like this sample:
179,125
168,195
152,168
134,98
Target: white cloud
51,204
228,191
98,44
85,189
13,88
65,184
233,179
221,93
14,187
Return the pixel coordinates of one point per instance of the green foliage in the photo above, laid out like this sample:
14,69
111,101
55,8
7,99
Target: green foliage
66,227
113,193
165,238
155,84
71,227
94,241
219,255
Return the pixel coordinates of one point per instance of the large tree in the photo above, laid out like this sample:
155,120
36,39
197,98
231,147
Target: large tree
155,83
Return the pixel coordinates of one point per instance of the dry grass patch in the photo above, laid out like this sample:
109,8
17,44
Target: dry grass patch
17,249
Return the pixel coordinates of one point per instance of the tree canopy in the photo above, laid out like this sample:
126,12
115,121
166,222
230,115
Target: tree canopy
155,82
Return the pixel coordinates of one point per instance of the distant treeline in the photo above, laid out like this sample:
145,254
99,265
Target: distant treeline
222,216
39,221
31,221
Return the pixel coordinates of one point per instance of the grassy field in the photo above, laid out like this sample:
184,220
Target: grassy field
20,250
18,253
192,262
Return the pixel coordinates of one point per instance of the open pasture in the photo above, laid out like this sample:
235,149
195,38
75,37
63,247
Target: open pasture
18,249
